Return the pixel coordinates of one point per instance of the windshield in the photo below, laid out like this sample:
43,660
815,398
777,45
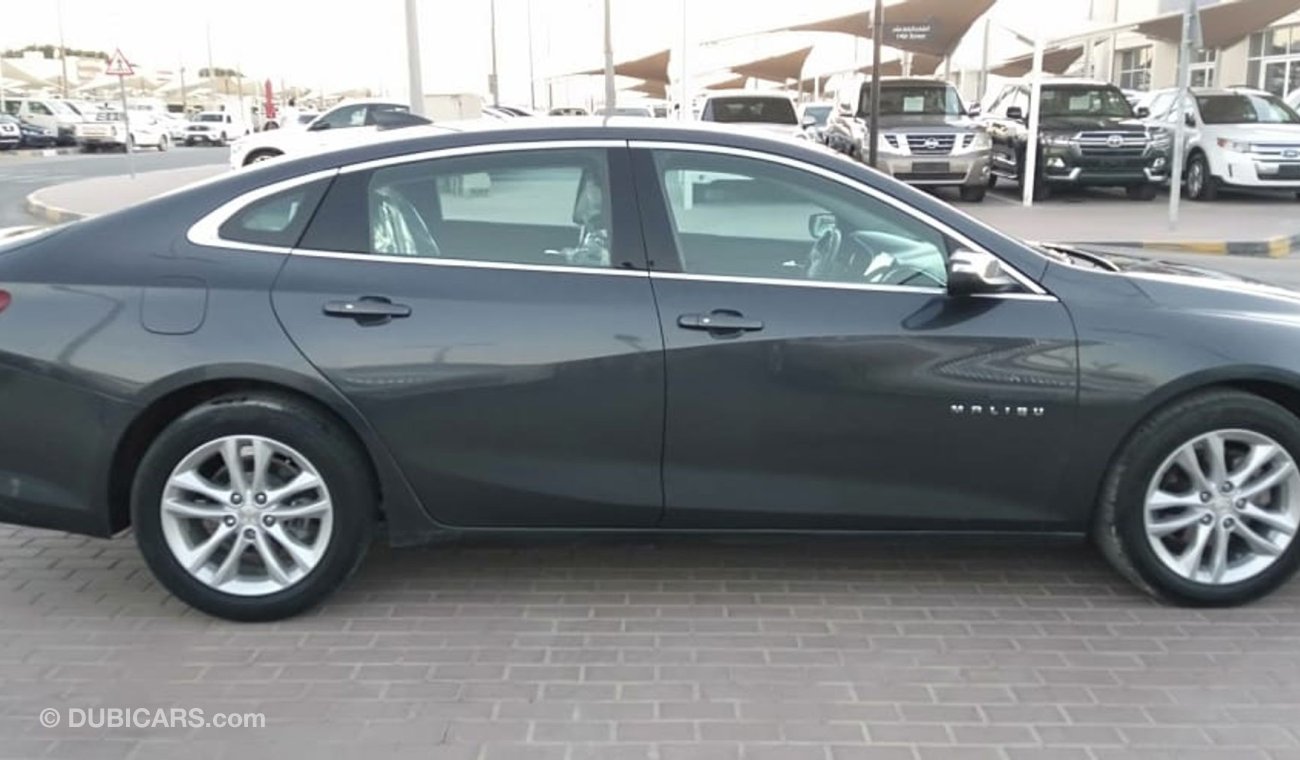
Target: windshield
61,108
1085,101
912,100
210,117
626,111
1245,108
819,114
752,110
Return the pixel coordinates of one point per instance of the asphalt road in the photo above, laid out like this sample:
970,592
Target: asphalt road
20,176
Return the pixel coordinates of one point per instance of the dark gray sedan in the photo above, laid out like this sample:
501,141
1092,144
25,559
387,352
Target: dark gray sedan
621,329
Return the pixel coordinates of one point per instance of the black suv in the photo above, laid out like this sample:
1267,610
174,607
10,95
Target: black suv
1088,135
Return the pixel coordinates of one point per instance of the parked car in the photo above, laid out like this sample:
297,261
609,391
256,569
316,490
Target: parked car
1088,135
11,136
112,130
813,118
50,113
927,135
349,122
380,347
34,136
567,111
766,112
215,128
1234,138
176,125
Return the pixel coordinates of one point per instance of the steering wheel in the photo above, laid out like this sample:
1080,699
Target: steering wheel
825,250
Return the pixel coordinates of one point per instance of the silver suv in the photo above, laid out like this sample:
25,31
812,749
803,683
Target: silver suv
928,137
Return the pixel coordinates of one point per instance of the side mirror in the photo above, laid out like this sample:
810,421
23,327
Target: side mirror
819,223
1015,113
972,272
974,109
808,122
1143,112
1189,120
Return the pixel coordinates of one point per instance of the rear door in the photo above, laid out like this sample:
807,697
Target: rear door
489,311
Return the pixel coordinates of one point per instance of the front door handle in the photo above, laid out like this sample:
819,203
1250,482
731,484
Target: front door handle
367,309
719,321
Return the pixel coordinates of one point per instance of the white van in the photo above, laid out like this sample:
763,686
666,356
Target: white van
51,113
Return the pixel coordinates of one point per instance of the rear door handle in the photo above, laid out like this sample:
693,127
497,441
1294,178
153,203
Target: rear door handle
719,321
369,309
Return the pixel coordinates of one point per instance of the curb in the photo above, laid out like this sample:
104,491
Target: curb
38,152
50,213
1272,248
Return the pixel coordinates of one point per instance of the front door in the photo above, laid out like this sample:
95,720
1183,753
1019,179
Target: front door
818,373
491,315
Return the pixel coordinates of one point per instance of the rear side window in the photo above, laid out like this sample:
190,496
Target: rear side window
276,220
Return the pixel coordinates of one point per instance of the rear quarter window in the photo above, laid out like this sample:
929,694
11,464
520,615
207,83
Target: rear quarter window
276,220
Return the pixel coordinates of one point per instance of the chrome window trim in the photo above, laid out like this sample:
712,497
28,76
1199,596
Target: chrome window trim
468,263
1024,281
826,285
206,231
469,150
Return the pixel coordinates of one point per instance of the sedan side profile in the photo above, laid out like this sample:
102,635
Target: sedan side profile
636,328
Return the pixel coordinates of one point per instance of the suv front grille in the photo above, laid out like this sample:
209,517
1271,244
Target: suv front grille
1111,144
930,145
1288,151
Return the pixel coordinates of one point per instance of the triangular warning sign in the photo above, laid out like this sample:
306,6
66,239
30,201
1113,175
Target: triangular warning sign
118,66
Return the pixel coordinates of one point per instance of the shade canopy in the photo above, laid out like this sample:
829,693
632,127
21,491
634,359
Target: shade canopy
651,68
777,68
653,89
1222,25
948,22
16,73
732,83
1055,61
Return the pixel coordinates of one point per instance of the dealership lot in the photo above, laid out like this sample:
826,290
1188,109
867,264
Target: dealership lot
666,649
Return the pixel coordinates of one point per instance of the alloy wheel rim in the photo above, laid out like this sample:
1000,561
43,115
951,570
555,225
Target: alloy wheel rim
1223,507
247,515
1194,178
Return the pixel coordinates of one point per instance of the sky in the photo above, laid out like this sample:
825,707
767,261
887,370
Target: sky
341,44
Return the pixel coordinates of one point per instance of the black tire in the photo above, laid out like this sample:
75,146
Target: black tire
993,180
335,455
163,143
1147,191
973,193
1201,183
1119,528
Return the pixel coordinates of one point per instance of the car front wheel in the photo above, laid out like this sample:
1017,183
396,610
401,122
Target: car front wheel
252,507
1201,184
1203,503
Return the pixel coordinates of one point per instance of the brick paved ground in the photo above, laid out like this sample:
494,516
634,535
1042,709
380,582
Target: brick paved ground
669,651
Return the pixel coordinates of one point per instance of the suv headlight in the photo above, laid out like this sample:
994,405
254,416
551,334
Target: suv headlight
1160,139
1056,141
1235,146
982,141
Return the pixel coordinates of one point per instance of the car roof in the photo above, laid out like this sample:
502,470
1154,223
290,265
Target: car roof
747,94
1050,81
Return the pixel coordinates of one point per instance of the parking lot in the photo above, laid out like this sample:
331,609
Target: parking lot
835,650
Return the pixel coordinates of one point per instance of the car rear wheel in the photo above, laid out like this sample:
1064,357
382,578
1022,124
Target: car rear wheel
1203,503
1201,184
162,143
252,507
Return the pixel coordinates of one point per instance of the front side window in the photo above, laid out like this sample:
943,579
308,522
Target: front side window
40,109
750,110
746,217
342,118
378,108
539,207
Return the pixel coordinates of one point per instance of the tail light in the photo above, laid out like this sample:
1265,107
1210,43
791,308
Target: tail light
5,298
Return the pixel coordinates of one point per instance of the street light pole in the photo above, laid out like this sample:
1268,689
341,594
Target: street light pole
414,72
532,70
1030,174
63,49
494,84
873,130
1180,123
610,94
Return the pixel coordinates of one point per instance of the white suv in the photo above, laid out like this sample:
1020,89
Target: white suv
1238,137
109,131
215,128
771,113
